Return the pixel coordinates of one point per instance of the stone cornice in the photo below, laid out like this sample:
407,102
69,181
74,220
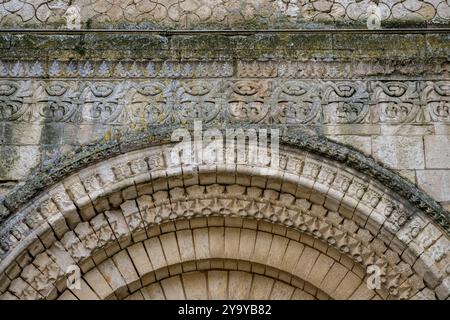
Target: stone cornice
420,46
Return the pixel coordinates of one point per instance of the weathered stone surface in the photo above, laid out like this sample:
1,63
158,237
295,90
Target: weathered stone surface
207,13
436,183
437,152
93,113
360,143
17,161
399,152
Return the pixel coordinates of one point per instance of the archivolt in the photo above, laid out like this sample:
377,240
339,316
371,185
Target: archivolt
222,284
345,212
291,264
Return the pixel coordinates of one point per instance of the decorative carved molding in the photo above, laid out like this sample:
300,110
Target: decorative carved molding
192,13
398,279
367,202
114,69
221,101
88,155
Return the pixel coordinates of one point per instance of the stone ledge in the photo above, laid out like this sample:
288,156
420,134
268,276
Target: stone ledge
346,46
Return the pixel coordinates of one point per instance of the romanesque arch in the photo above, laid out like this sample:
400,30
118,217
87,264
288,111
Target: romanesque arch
141,224
91,93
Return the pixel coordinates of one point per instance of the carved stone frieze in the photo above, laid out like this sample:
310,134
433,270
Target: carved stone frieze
157,102
204,13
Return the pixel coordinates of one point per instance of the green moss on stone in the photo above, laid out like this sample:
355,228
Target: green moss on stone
225,46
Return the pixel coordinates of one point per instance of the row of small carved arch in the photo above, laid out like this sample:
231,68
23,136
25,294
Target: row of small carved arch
126,68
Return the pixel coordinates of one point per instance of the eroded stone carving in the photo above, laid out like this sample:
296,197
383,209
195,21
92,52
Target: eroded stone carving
191,13
231,200
293,102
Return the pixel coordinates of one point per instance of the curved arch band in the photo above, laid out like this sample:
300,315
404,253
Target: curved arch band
114,203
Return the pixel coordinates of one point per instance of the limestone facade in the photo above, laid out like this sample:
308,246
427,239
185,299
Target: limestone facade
391,105
88,179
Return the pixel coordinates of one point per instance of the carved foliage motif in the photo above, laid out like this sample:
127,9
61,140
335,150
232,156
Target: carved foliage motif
297,102
149,103
293,102
396,102
247,101
58,102
200,100
166,92
345,102
102,103
437,98
14,105
88,69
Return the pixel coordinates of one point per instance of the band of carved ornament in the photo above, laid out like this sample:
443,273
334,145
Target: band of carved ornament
198,13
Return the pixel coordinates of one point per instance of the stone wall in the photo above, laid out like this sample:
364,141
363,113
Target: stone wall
387,95
220,13
91,91
319,218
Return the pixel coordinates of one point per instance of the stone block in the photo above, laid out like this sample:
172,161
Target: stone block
435,182
17,161
114,278
96,281
437,152
347,286
195,286
173,288
239,285
126,268
399,152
